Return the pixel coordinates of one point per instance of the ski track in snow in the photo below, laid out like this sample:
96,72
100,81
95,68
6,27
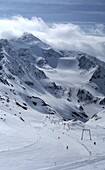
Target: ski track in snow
76,165
80,163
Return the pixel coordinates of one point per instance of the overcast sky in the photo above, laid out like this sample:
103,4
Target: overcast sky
60,1
55,10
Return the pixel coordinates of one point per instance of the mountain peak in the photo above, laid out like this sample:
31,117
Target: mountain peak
29,37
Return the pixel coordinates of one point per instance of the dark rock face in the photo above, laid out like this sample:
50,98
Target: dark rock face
85,63
54,89
102,102
98,78
98,74
84,95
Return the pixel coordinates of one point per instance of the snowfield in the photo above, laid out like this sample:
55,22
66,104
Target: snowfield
47,99
49,144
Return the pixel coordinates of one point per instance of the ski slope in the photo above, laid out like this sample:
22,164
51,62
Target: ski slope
42,144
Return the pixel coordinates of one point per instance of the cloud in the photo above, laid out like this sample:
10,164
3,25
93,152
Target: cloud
60,36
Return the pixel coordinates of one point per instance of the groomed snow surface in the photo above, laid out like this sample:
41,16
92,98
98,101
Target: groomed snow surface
48,143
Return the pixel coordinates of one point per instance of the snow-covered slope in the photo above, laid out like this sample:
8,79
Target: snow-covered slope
46,98
35,76
48,143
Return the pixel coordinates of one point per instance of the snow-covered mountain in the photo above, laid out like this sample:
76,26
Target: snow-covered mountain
46,98
34,76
